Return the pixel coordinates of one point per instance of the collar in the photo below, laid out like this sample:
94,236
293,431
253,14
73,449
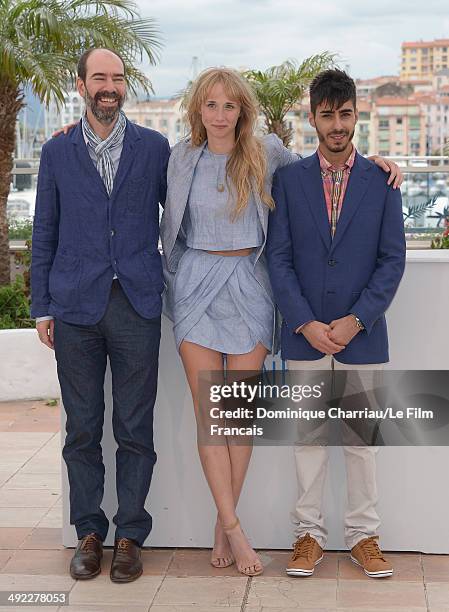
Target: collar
84,118
326,166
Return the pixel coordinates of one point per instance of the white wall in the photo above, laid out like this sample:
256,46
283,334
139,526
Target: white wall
27,367
411,481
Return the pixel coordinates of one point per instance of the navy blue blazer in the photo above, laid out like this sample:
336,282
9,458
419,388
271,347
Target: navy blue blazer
81,236
316,278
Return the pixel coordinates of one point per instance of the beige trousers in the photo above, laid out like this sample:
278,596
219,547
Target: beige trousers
361,518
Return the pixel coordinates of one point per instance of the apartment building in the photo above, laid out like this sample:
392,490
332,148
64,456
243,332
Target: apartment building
436,110
399,126
165,116
69,112
422,59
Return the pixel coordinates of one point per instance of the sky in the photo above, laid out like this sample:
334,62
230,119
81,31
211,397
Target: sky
367,35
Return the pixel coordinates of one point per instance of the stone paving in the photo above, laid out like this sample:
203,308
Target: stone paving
174,580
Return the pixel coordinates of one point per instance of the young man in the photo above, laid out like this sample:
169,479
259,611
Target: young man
96,294
336,255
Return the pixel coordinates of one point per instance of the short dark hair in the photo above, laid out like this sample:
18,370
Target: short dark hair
334,87
82,62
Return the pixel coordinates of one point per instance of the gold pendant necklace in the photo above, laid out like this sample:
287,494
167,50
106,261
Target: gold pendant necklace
220,185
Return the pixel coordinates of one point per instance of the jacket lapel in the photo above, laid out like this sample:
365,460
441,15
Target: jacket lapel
312,184
128,154
84,157
359,180
179,179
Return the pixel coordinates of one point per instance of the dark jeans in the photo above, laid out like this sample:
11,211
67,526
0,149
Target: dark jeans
132,345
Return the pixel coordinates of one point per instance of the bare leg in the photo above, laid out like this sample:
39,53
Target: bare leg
216,460
241,454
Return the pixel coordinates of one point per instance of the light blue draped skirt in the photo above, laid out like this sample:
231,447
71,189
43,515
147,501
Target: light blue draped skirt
223,302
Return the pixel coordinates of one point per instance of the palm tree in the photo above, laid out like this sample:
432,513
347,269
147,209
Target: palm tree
40,42
279,88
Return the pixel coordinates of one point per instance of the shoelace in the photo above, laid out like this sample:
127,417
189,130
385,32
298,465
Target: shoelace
371,549
123,546
303,547
90,543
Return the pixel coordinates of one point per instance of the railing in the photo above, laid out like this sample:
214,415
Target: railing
426,188
426,181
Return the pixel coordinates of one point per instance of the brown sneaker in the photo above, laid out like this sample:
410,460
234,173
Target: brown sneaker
306,554
368,555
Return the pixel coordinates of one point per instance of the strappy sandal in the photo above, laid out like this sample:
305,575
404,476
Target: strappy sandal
255,569
221,562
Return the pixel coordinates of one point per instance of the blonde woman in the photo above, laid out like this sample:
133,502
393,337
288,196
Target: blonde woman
213,234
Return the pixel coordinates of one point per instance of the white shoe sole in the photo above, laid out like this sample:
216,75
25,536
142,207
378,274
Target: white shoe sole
297,572
384,574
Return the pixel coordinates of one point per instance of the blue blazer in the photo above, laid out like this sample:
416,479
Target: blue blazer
81,236
316,278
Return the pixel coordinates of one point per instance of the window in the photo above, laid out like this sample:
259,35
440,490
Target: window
415,122
164,123
384,124
399,120
148,122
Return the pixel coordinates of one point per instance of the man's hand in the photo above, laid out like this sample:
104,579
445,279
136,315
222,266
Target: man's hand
343,330
396,177
65,129
317,335
46,330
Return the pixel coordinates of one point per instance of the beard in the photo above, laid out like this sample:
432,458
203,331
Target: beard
106,116
335,147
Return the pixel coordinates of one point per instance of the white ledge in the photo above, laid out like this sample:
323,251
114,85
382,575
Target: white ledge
428,255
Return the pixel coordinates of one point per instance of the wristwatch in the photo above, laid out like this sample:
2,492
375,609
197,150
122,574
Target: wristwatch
358,322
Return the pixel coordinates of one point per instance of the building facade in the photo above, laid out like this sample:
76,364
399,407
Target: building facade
422,59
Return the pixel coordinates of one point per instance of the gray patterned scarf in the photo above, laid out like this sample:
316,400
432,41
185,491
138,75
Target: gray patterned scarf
102,148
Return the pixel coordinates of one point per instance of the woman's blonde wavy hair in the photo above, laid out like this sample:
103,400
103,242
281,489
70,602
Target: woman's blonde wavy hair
247,164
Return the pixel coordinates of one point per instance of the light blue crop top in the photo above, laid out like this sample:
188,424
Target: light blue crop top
208,220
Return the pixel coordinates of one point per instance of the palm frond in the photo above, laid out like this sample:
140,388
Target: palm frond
280,87
417,210
41,40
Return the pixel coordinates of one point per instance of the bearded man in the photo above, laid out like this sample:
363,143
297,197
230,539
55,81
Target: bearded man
96,294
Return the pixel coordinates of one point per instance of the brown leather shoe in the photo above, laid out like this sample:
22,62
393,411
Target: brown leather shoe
86,562
126,563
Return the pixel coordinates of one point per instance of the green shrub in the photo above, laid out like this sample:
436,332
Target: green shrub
15,306
20,229
440,242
